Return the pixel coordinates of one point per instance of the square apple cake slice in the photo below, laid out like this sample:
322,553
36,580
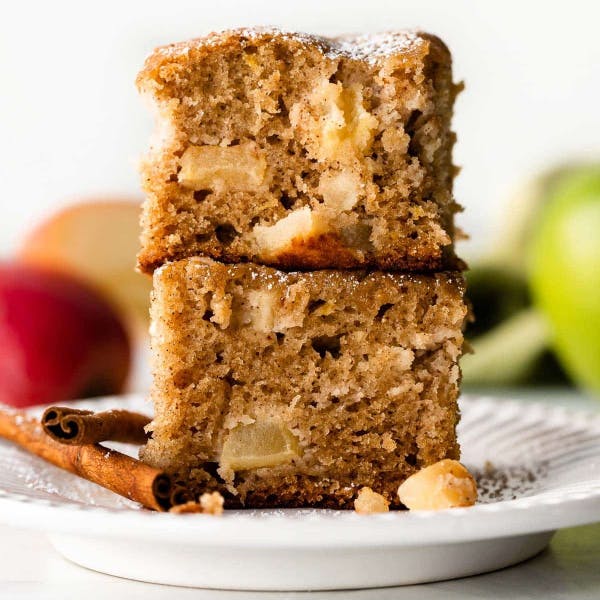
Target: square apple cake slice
284,389
301,152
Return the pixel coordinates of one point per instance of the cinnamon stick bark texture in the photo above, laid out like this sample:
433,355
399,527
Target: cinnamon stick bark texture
108,468
79,427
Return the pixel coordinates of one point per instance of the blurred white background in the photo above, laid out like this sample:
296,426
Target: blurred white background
71,122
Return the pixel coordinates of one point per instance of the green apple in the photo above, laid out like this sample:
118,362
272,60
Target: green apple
521,218
509,337
564,272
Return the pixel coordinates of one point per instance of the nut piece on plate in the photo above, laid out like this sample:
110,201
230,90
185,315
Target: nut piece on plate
233,168
212,504
445,484
259,444
368,502
209,504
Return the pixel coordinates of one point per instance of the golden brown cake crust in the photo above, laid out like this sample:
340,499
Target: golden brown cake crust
356,371
409,43
356,129
321,253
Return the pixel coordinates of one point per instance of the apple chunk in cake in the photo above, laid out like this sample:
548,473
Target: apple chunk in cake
301,152
298,389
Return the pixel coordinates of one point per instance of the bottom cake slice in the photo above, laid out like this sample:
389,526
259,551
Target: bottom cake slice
297,389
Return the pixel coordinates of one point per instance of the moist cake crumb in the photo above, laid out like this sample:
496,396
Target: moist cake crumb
301,152
299,388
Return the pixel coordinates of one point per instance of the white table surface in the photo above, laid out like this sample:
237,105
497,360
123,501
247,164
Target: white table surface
570,568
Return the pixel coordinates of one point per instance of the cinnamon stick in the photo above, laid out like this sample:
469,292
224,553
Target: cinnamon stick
108,468
79,427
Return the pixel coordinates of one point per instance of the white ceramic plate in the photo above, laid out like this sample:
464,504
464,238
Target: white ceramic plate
545,474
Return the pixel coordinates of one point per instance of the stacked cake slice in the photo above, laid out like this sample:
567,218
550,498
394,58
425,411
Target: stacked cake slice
308,306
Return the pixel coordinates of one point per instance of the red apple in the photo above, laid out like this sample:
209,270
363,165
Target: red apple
96,240
59,339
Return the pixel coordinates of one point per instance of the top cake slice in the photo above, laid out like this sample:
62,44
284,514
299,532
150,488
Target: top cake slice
301,152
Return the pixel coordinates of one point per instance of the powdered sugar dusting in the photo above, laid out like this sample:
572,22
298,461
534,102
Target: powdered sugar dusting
368,47
371,47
